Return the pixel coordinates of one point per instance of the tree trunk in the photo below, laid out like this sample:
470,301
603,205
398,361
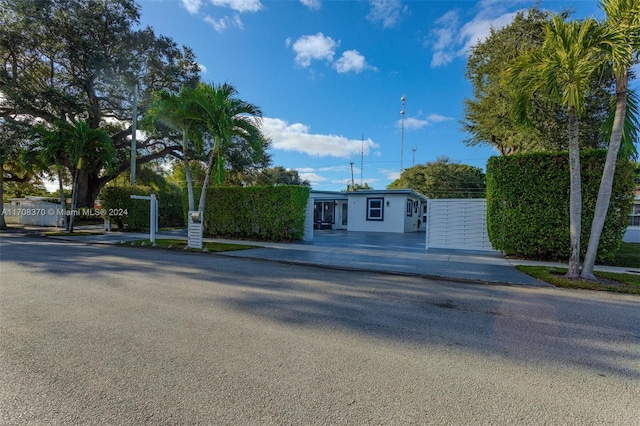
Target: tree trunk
3,223
207,177
74,199
88,186
63,204
606,183
187,171
575,197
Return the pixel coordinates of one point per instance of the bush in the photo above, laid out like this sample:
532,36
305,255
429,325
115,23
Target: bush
528,204
133,215
269,213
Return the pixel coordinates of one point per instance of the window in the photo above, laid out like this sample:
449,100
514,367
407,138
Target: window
409,208
635,216
375,208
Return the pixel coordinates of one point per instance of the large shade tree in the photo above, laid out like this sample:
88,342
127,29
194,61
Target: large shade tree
488,114
620,42
443,179
80,60
560,71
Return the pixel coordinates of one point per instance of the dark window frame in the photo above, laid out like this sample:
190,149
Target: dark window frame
371,209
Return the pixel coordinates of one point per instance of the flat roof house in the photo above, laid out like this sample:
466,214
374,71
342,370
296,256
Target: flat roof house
392,210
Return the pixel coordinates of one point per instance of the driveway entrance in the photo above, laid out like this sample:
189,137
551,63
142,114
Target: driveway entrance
382,241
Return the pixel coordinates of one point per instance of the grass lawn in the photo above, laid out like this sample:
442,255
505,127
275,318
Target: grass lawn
607,281
70,234
177,244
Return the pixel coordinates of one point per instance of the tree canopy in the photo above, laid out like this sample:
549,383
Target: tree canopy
489,118
443,179
80,60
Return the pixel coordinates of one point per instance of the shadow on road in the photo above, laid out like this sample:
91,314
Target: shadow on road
575,329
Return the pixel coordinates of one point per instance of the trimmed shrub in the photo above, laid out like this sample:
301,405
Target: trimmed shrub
133,215
528,204
265,213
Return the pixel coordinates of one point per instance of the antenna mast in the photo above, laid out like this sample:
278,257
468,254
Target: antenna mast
403,98
362,159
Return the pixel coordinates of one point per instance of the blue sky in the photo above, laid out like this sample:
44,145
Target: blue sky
329,75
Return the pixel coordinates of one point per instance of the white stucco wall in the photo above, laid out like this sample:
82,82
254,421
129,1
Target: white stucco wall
394,214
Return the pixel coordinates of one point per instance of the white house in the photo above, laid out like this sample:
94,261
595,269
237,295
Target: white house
33,211
632,234
393,210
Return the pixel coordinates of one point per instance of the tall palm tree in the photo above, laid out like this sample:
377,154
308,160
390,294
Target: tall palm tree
228,118
561,70
178,111
621,44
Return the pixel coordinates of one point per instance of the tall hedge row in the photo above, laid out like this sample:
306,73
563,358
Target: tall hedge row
133,215
267,213
528,204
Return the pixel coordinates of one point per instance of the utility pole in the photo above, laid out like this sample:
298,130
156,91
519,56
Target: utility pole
403,98
413,160
134,125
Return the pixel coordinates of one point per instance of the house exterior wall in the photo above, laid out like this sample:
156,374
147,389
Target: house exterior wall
394,206
632,234
393,212
32,211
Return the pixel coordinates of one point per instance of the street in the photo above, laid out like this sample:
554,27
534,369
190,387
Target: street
97,334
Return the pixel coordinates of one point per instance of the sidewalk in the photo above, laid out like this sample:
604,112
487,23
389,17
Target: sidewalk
402,254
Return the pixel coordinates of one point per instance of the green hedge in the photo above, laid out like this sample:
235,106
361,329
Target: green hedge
266,213
133,215
528,204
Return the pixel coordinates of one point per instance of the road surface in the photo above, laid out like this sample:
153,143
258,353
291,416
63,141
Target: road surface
95,334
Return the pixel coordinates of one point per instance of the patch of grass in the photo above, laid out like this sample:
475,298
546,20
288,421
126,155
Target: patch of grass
70,234
628,256
607,281
178,244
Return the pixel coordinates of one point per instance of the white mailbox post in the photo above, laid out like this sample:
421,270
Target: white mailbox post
153,216
194,232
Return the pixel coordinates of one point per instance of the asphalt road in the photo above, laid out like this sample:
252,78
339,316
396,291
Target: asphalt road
94,334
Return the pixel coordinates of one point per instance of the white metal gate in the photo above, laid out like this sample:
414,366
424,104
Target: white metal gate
457,224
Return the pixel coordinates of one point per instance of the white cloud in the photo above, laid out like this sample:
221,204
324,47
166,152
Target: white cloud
351,61
388,12
313,178
313,47
225,22
192,6
238,5
296,137
413,123
312,4
451,40
390,174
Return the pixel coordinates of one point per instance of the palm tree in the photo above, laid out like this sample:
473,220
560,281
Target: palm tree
561,71
228,119
621,45
178,111
50,150
88,148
